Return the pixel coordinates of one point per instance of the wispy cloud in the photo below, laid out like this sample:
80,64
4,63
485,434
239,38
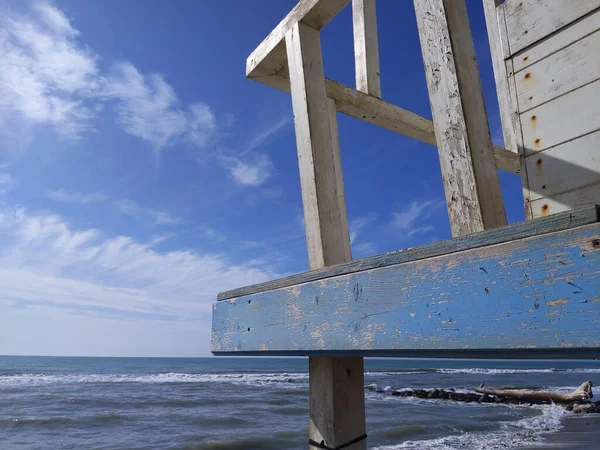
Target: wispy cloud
357,227
5,178
46,76
49,78
411,219
43,262
263,135
149,109
253,170
137,211
358,224
364,249
62,195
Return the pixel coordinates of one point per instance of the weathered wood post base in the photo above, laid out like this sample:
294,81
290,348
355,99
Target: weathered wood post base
337,413
336,408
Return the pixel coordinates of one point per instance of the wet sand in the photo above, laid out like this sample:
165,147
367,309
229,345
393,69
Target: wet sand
578,433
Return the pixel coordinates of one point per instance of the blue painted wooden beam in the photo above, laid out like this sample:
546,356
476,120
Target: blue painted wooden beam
533,297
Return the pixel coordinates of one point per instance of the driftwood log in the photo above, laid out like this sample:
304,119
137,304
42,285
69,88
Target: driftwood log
576,401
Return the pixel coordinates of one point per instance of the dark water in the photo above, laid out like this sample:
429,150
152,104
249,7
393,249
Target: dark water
251,403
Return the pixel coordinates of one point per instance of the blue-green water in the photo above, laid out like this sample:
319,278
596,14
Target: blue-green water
255,403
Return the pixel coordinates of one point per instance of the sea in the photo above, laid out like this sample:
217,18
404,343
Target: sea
262,403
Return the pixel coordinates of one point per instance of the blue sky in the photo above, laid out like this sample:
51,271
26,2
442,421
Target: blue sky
141,173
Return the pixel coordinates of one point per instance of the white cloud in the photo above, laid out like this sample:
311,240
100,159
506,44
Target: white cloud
253,171
261,137
149,109
61,195
410,220
357,226
46,76
5,179
44,263
363,249
139,212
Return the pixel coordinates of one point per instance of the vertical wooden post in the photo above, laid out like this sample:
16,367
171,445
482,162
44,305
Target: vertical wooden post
337,405
463,138
366,47
509,115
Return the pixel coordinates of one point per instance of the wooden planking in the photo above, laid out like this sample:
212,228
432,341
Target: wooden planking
584,195
370,109
564,71
565,167
573,33
366,47
528,21
541,292
471,183
521,230
271,54
333,382
563,119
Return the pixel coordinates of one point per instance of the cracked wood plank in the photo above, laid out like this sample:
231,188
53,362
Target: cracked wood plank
473,195
535,297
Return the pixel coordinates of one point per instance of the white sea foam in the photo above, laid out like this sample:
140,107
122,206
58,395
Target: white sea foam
483,371
478,371
508,434
292,380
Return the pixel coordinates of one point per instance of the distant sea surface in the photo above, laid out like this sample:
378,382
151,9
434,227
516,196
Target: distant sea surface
254,403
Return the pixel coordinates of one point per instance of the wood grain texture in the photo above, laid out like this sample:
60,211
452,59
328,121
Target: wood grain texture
316,150
471,183
494,20
566,167
577,198
271,54
521,230
539,293
334,383
562,119
564,71
572,33
507,99
366,47
529,21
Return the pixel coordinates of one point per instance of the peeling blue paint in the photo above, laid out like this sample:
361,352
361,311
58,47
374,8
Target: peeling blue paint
535,294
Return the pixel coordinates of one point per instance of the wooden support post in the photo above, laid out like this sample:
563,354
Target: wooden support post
509,116
337,413
463,138
366,47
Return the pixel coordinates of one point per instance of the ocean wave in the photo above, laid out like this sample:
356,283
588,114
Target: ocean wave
246,379
485,371
508,434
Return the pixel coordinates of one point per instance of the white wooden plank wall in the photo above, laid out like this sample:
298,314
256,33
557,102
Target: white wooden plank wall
529,21
551,50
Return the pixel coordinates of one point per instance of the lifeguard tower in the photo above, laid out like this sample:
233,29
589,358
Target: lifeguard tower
525,290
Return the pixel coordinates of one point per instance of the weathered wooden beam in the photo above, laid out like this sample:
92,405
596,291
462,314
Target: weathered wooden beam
366,47
521,230
533,297
271,54
378,112
471,183
337,405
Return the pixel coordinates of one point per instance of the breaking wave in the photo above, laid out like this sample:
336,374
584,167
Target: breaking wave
507,435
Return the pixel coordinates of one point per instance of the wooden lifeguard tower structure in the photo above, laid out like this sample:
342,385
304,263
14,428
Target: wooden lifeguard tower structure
525,290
